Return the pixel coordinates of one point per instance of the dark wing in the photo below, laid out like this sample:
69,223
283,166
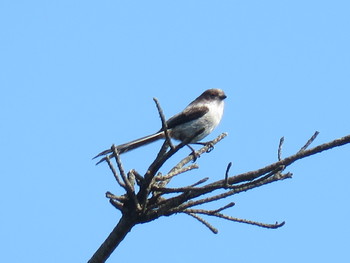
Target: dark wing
187,115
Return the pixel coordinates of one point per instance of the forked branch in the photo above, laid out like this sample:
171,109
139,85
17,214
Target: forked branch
147,197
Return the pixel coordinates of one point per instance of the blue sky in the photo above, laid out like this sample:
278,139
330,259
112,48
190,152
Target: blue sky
77,76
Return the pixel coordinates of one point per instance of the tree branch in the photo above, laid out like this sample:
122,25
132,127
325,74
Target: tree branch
145,201
113,240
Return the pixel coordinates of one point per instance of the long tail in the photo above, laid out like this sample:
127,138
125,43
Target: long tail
131,145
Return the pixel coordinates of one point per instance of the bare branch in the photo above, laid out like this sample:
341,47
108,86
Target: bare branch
164,124
226,174
176,172
202,150
230,218
128,187
240,220
138,177
155,166
279,155
180,189
120,167
212,229
209,212
313,137
131,178
183,199
288,161
125,224
229,205
178,203
122,198
116,204
200,181
116,176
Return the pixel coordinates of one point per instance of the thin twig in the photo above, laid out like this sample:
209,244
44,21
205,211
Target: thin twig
164,123
279,155
200,182
313,137
131,179
180,166
178,203
116,176
209,212
229,205
138,177
226,174
212,229
179,189
155,166
260,179
202,150
185,200
248,176
250,222
165,190
122,198
129,188
176,172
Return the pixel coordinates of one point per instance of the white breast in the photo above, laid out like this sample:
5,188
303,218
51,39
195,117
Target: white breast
208,122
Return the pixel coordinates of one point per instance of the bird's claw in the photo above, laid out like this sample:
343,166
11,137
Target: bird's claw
210,146
195,156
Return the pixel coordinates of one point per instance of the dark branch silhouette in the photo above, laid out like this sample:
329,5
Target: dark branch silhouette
146,197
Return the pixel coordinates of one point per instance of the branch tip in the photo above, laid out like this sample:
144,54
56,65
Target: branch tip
307,144
279,155
164,124
153,205
204,222
226,174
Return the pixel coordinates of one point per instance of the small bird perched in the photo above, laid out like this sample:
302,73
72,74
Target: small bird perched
201,116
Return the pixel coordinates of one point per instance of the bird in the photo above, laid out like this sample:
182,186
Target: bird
194,123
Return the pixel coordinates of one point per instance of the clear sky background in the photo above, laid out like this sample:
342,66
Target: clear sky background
77,76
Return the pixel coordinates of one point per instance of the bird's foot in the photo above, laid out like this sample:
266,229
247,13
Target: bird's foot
209,144
193,153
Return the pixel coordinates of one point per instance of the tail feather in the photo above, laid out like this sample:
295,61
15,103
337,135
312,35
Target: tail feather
131,145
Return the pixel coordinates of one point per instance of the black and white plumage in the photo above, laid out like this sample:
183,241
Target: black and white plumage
202,114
